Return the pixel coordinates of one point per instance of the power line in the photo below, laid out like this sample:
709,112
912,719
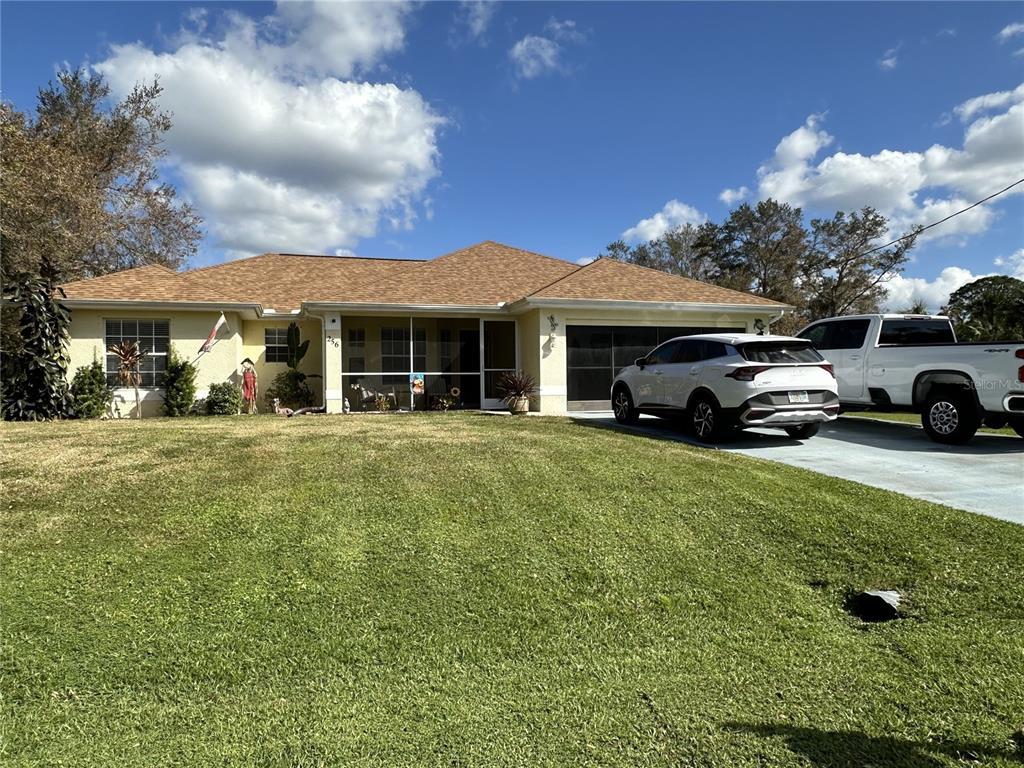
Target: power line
918,231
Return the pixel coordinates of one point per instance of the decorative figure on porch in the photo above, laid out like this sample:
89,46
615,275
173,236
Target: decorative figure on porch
250,385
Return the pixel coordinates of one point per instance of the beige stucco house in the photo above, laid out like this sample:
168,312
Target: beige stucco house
457,321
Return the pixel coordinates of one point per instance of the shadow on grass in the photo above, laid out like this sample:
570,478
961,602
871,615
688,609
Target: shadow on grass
851,749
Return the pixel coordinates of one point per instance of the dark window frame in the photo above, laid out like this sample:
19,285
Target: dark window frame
275,345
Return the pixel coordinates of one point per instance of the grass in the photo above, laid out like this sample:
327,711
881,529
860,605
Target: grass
462,590
915,418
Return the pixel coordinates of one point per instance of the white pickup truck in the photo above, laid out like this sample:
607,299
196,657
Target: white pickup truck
913,362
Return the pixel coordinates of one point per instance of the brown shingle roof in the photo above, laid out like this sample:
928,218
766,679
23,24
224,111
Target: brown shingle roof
620,281
149,283
484,274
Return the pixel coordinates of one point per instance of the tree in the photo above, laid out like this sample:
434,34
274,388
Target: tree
838,276
989,309
38,388
681,251
80,193
110,210
917,307
90,391
179,385
761,250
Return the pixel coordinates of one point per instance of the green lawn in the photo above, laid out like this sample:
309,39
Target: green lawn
915,418
471,590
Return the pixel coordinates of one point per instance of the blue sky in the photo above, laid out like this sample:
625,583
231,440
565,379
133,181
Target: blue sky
394,130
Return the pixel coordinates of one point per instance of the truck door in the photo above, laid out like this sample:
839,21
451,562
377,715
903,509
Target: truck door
842,344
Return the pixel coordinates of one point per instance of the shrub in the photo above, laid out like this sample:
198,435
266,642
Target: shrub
223,400
291,389
179,385
90,392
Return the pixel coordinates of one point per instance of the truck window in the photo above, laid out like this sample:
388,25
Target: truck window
847,334
664,354
816,334
916,331
837,334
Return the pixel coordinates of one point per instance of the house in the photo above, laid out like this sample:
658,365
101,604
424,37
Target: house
457,321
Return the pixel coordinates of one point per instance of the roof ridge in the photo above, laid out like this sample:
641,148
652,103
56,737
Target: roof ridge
579,268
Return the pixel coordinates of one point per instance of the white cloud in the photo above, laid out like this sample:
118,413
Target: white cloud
907,186
537,55
731,196
674,214
1010,31
989,101
1013,264
584,260
473,18
534,56
276,150
905,291
565,30
890,58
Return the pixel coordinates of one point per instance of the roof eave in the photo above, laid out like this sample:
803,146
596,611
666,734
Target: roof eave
177,306
531,302
375,308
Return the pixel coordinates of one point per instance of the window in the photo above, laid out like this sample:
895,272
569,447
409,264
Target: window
394,350
276,342
779,352
816,334
848,334
153,337
356,350
666,353
419,349
709,350
838,334
916,332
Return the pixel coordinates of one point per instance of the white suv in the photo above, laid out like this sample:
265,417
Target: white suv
723,382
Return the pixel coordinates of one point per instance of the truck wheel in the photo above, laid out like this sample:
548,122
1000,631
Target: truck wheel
950,417
1017,425
804,431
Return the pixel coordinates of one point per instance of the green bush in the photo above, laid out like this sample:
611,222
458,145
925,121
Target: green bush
179,385
291,389
224,400
90,392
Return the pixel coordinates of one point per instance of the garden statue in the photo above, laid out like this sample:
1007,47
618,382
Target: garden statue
250,385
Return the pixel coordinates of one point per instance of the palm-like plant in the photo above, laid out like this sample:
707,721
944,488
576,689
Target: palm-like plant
129,361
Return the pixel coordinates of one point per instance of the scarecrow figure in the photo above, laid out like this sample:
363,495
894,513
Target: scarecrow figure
250,386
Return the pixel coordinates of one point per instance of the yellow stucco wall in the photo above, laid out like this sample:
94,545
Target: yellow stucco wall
253,347
188,330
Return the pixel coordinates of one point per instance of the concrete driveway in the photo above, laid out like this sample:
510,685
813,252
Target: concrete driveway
984,476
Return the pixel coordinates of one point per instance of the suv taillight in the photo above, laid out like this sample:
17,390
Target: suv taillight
828,367
1019,354
747,373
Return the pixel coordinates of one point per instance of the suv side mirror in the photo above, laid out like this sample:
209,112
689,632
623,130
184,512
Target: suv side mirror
640,362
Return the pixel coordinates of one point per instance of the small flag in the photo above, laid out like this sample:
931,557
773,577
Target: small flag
208,344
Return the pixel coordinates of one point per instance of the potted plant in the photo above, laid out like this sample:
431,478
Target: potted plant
516,388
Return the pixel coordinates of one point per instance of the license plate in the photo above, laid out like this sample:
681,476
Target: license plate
799,397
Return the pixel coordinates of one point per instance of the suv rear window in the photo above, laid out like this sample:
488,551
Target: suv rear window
780,352
916,332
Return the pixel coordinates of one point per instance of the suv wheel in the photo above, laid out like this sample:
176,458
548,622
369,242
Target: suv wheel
706,420
950,417
804,431
622,406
